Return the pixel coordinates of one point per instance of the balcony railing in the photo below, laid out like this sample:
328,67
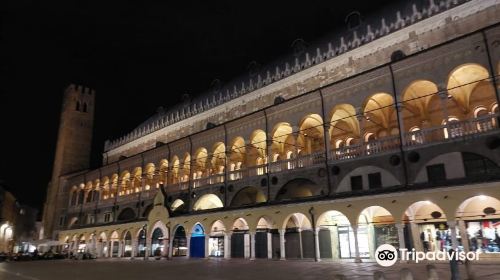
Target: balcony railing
364,149
297,162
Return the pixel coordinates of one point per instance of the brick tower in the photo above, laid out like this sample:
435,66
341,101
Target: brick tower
73,147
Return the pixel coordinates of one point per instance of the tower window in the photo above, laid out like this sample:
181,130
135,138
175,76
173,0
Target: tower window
78,105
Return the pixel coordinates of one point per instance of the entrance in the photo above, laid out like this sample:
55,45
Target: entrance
197,245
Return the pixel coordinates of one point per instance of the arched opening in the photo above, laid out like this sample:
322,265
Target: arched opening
218,163
336,237
136,180
240,240
200,166
178,206
208,201
299,237
115,245
477,166
344,126
81,195
186,168
157,242
163,172
82,245
248,196
266,239
237,158
479,224
150,173
175,169
125,184
127,214
283,147
197,242
298,188
216,241
179,243
426,227
127,244
256,153
380,122
421,105
310,139
74,196
141,243
102,245
375,227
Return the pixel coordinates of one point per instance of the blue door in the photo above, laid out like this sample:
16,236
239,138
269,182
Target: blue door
197,246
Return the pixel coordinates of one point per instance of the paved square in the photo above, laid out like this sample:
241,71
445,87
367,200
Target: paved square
218,269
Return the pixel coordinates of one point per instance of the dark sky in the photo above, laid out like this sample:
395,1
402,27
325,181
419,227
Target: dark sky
137,55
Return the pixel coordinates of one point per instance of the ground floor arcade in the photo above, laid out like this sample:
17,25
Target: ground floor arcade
463,217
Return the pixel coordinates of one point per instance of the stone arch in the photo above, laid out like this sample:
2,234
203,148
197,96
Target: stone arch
159,239
197,243
127,214
380,113
375,227
163,171
179,242
336,236
283,141
208,201
418,98
176,166
257,150
248,196
178,205
299,237
200,163
298,188
310,138
150,170
218,158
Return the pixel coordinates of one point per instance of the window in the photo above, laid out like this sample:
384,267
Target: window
78,105
436,173
107,217
90,219
476,165
374,180
85,107
356,183
62,221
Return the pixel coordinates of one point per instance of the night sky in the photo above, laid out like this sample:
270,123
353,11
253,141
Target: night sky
137,55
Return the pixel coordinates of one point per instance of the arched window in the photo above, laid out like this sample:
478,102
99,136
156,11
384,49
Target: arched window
452,129
74,197
416,135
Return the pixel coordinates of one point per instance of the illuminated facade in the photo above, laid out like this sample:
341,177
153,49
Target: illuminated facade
389,134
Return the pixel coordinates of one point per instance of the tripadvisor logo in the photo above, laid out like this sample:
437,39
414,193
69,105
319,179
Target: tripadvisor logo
387,255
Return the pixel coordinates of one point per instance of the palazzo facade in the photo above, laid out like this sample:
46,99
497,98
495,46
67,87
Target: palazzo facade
387,133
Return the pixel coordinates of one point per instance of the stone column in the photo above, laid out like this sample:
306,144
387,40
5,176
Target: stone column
134,244
148,246
282,244
452,225
269,245
464,236
170,246
252,245
357,258
227,245
207,252
300,244
188,243
316,244
401,235
120,249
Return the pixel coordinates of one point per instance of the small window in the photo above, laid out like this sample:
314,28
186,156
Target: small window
356,183
78,105
107,217
62,221
436,173
374,180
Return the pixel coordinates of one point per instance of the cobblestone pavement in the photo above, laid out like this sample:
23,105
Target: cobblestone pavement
218,269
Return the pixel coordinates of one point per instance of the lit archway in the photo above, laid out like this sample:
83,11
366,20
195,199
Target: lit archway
248,196
299,237
208,201
427,223
298,188
310,137
375,227
336,237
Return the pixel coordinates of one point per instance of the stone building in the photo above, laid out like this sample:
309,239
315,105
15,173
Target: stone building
386,133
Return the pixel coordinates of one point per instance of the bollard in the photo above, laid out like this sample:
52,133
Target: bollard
432,272
379,275
405,274
339,277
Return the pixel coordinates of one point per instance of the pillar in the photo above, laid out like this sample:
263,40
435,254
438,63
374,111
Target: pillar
269,245
300,244
148,246
401,235
207,252
188,243
282,244
463,234
227,245
316,245
357,258
452,225
252,245
171,246
134,248
120,249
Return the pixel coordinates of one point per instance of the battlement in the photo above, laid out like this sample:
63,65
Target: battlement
79,89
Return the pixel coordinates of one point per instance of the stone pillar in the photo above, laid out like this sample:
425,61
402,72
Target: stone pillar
134,244
300,244
246,246
148,246
269,245
170,246
452,225
316,244
282,244
357,258
188,243
120,249
401,235
252,245
227,245
464,236
164,250
207,252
